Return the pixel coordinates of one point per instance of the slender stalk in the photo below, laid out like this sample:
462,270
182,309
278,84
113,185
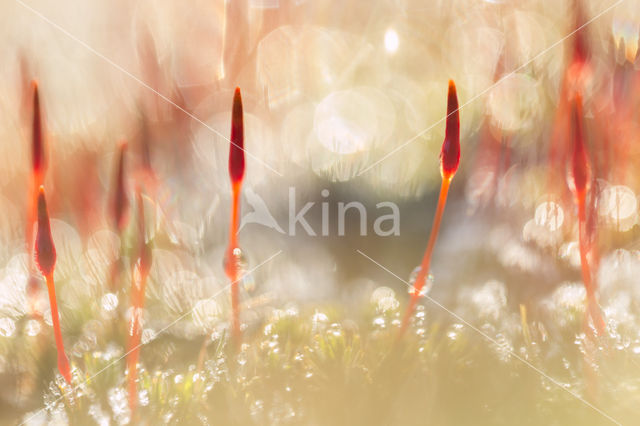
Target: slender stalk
580,180
139,283
232,262
449,162
423,273
134,337
235,213
118,209
592,305
63,361
236,175
119,202
45,257
38,169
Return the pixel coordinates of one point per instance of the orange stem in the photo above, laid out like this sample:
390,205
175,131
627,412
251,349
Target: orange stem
592,305
232,266
133,350
235,213
63,362
426,260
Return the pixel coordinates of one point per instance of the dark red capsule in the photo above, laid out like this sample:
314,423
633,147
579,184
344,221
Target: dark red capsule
37,145
236,149
580,40
450,154
120,202
580,175
45,250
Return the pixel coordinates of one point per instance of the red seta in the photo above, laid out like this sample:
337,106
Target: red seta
580,183
45,257
236,175
120,202
142,268
449,162
450,153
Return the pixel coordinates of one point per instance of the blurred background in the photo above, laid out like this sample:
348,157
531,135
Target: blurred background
344,101
347,97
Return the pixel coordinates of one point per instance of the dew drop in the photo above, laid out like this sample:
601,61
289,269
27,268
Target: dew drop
242,358
32,328
119,406
148,335
427,284
336,329
379,322
256,407
247,280
143,397
109,302
7,327
384,299
319,317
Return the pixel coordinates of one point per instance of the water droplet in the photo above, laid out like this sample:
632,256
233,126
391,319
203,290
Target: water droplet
119,405
268,329
143,397
109,302
319,321
379,322
246,279
391,40
570,251
336,329
428,282
32,327
320,317
95,411
292,311
7,327
256,407
385,299
454,331
503,347
148,335
242,358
